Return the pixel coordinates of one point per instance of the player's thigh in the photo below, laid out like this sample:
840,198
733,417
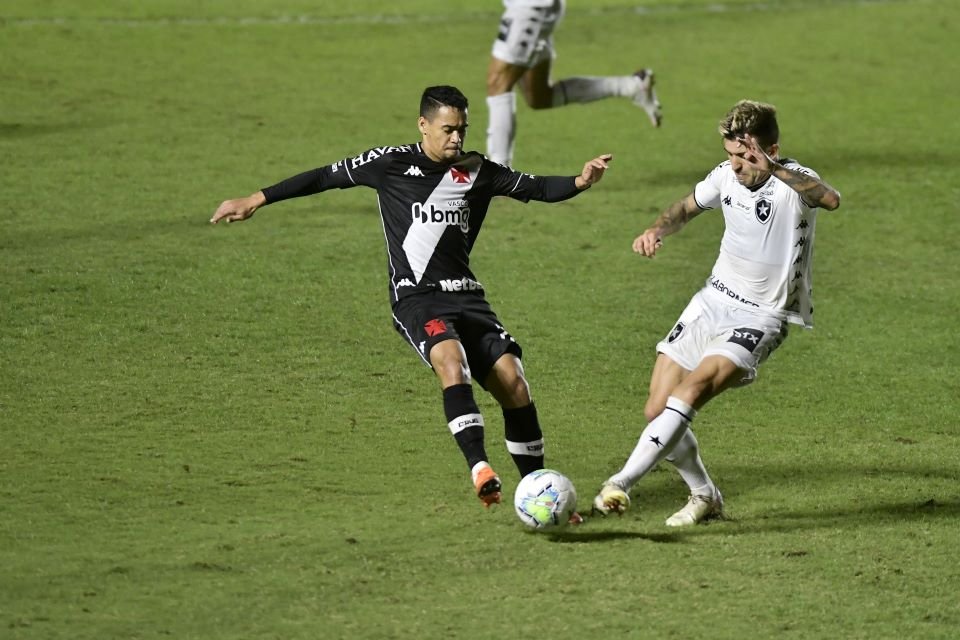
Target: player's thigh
666,376
502,76
524,37
536,86
690,335
425,321
714,375
747,339
484,338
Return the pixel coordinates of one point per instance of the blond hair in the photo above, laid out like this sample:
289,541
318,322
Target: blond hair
756,118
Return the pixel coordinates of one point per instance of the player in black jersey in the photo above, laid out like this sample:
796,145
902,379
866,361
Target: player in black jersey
433,198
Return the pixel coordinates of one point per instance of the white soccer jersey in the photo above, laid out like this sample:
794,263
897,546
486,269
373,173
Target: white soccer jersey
766,253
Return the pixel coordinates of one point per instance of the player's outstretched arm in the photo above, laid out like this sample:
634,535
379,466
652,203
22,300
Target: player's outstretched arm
814,191
239,208
670,221
592,171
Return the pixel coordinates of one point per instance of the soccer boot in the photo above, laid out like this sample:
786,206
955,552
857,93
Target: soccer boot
646,98
698,509
488,486
612,498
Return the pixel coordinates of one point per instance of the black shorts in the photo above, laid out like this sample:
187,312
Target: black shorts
425,319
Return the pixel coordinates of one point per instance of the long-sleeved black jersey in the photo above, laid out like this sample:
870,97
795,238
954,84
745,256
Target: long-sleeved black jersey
431,212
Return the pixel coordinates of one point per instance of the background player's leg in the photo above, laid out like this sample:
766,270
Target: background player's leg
638,87
522,432
502,109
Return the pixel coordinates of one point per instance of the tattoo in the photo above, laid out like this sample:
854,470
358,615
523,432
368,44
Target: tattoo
810,189
673,219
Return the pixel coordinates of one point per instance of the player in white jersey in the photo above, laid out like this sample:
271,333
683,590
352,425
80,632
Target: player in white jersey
759,283
523,53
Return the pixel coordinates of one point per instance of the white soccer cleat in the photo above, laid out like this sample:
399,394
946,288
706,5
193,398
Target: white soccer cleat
646,98
697,509
612,498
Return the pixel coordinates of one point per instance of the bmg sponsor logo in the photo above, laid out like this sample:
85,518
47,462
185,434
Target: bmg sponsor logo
456,213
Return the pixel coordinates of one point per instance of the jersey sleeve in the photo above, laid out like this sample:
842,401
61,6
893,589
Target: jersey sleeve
796,166
525,187
707,191
364,169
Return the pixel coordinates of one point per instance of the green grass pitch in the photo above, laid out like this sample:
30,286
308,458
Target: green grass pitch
214,433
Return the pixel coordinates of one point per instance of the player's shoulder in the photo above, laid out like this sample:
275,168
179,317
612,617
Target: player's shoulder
722,170
385,153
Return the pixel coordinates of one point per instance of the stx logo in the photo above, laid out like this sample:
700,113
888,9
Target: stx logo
435,327
413,171
463,284
457,215
459,175
747,338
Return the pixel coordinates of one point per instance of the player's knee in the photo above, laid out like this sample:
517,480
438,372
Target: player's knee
653,408
539,99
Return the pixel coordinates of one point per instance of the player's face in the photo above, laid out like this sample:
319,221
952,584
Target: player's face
744,164
443,134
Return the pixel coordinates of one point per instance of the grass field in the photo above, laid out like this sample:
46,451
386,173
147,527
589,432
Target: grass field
213,432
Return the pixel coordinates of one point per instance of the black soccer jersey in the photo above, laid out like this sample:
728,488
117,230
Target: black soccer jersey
431,212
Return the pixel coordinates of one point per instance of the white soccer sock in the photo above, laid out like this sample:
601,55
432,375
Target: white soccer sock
686,458
502,127
656,442
590,88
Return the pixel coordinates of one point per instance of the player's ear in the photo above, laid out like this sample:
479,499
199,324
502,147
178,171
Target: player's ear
774,151
422,125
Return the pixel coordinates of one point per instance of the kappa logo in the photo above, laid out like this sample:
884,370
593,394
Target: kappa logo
727,200
413,171
406,282
459,175
763,210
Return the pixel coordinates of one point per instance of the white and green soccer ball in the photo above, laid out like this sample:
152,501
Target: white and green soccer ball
545,499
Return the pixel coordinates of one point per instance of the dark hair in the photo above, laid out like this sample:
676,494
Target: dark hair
756,118
441,96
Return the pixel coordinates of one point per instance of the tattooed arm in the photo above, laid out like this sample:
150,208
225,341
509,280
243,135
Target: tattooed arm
670,221
815,192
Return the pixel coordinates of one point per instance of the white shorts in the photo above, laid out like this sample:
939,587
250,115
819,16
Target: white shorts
711,326
526,34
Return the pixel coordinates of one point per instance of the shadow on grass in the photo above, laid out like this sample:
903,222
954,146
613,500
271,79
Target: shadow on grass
780,521
580,536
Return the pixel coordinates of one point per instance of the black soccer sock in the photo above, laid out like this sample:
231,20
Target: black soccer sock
524,439
465,422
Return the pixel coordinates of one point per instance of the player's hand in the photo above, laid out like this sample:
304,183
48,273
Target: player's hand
238,209
593,171
647,243
756,157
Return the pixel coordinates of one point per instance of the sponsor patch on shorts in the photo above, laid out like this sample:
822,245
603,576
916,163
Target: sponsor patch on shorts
677,330
747,338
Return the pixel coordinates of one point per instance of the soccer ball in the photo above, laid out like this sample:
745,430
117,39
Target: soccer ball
545,499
